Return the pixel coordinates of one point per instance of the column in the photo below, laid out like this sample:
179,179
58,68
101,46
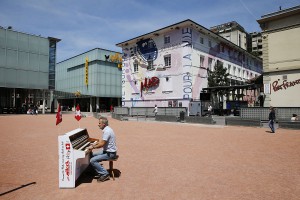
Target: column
97,104
91,104
52,107
44,102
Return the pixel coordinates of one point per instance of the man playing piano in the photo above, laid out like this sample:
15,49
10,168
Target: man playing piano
108,143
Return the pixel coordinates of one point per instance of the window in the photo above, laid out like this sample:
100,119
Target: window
201,40
209,43
150,44
167,86
210,64
167,39
220,63
284,77
167,59
135,67
222,49
134,50
201,61
150,65
229,68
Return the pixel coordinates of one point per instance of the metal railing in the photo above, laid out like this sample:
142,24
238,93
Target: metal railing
148,111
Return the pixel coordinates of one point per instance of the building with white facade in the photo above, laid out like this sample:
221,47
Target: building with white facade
168,67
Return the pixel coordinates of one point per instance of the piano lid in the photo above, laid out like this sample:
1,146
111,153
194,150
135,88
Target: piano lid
75,131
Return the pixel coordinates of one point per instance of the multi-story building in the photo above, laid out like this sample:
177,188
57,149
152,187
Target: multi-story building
281,58
27,70
91,79
233,32
168,67
255,44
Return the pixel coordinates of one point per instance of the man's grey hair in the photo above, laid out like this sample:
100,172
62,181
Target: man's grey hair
104,120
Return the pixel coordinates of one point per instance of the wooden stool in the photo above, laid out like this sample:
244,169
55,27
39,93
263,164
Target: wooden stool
111,166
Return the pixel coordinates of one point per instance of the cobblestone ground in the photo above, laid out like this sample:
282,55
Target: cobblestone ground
158,160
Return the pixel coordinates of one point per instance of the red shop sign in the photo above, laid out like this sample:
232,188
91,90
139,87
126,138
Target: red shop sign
148,83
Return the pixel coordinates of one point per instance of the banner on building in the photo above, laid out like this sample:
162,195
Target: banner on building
86,71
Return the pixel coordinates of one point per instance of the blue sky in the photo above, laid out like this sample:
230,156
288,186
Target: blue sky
86,24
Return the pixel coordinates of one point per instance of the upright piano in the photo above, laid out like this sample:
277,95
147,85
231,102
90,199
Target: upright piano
74,158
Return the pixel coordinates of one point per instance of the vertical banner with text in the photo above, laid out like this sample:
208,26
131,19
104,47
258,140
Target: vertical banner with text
86,71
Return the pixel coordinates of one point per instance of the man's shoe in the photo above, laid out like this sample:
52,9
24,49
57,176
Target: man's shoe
103,178
97,176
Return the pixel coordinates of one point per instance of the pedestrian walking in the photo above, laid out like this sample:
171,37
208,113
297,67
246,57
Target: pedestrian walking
209,109
272,118
155,110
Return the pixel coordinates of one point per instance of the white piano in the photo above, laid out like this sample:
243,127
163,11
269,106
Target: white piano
74,158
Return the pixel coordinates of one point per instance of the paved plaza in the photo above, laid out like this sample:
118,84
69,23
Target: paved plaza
158,160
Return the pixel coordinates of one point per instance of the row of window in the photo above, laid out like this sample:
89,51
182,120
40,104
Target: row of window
202,42
167,40
150,66
232,53
234,71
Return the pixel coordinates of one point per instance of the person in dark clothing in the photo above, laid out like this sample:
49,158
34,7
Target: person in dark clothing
272,118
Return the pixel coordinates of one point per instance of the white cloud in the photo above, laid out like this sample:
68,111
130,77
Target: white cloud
84,25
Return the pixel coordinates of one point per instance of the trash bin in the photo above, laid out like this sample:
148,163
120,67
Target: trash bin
181,116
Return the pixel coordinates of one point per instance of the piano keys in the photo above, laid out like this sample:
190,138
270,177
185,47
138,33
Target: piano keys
74,157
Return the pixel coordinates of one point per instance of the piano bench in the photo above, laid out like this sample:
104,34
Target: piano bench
111,166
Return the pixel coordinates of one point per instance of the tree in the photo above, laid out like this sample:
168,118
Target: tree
218,77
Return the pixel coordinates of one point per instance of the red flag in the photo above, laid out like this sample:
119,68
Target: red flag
58,115
77,113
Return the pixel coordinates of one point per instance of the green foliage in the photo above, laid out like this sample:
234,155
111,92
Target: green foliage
218,77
